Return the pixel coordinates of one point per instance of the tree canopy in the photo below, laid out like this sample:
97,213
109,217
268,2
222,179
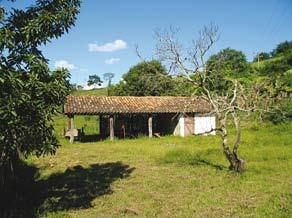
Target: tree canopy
147,78
229,62
282,49
261,56
94,79
30,93
109,77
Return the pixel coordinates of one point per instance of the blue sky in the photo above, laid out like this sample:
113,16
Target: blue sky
114,27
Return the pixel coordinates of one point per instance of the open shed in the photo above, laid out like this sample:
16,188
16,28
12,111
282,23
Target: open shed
122,116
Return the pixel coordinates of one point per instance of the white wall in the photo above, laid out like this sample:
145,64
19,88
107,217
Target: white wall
179,129
205,124
181,126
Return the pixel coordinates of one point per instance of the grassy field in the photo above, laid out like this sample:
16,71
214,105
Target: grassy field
161,177
96,92
263,63
167,177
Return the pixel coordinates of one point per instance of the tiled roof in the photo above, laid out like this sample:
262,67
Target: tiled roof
93,105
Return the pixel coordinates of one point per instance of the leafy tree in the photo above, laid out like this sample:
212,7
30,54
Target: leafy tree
277,71
278,66
228,63
181,87
148,78
94,79
282,49
261,56
30,94
108,77
287,80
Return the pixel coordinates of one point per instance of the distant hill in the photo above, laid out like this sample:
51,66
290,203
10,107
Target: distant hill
263,63
95,92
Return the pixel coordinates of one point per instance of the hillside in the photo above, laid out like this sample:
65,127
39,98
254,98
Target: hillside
96,92
264,63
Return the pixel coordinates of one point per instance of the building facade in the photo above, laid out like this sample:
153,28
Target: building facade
129,116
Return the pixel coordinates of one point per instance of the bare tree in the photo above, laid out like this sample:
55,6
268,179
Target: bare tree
108,77
238,96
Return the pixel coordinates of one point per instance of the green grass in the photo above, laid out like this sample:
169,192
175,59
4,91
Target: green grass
96,92
263,63
168,177
90,124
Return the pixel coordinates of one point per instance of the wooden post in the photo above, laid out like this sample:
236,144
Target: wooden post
111,120
71,128
100,126
69,123
150,126
123,130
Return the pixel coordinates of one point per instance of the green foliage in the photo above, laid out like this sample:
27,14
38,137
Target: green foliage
94,79
30,94
181,87
282,49
261,56
225,65
145,79
229,62
108,77
276,116
278,71
287,80
277,67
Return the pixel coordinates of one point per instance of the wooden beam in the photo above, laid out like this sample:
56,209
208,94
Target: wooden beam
111,121
100,126
71,128
150,126
124,130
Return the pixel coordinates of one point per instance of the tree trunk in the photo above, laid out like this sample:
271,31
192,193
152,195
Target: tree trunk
236,164
8,169
239,164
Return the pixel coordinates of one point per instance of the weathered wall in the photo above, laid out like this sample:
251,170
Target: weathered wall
189,125
205,124
134,125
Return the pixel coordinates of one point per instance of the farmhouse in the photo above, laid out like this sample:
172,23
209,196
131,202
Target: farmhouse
128,116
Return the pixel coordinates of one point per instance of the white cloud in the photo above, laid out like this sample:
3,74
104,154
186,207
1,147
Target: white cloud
108,47
64,64
112,60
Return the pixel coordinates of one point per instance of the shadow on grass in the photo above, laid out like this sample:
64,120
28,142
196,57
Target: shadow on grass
90,138
183,156
200,161
73,189
97,137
